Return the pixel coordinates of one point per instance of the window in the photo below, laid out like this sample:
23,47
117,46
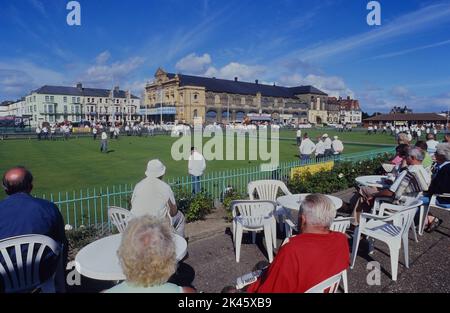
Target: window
106,100
52,99
77,109
65,99
34,98
100,100
78,99
47,98
88,100
35,110
51,118
195,96
45,108
50,109
73,99
65,109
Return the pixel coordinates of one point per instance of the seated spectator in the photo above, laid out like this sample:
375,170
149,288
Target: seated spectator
154,197
427,161
310,257
401,152
23,214
148,258
403,139
408,184
431,144
440,183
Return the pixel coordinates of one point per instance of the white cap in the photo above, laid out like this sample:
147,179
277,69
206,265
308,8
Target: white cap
325,136
155,169
336,137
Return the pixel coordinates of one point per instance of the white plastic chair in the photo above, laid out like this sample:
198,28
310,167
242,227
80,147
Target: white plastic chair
392,230
21,273
119,217
340,224
389,208
268,190
253,216
330,285
424,210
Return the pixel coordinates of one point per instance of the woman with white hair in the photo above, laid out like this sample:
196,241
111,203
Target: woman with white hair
440,183
310,257
148,259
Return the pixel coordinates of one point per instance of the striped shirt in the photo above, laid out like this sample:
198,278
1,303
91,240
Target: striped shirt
410,183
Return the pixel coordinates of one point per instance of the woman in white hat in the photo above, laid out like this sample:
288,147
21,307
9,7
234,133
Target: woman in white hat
152,196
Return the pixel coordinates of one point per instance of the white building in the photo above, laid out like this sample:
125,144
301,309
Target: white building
351,117
56,104
4,108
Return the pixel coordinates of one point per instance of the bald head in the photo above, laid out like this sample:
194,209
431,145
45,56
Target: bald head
17,179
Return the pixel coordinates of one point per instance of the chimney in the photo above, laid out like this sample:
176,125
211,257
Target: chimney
235,79
79,86
256,82
348,97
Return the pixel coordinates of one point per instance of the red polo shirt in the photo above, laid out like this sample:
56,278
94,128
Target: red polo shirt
305,261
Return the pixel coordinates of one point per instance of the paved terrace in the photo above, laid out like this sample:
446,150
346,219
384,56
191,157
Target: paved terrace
211,263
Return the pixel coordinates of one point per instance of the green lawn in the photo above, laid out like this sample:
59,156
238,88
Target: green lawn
61,166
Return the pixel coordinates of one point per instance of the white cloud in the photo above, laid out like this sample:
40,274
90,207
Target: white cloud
18,77
193,64
103,74
234,69
103,57
409,23
400,92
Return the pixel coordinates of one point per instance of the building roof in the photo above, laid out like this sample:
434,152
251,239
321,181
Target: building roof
87,92
6,103
425,117
244,88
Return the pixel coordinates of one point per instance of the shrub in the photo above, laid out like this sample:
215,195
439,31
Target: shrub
230,196
200,205
342,176
81,237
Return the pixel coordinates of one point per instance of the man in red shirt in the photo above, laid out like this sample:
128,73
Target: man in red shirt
310,257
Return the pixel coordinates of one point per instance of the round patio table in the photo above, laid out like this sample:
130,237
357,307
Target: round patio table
292,202
99,260
378,181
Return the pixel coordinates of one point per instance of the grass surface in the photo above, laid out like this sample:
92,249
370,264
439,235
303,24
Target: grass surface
61,166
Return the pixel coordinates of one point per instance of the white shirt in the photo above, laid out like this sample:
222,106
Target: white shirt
299,133
320,147
307,146
327,143
104,136
197,164
151,196
338,146
94,130
38,130
432,144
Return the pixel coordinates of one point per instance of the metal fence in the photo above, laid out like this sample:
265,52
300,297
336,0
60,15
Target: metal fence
90,206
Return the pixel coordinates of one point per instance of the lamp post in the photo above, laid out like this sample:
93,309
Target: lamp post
161,105
228,109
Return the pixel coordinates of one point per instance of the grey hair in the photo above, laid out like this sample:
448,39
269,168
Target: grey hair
416,153
403,139
444,150
318,210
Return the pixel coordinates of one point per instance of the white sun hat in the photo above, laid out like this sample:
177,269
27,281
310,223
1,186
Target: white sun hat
325,136
336,137
155,169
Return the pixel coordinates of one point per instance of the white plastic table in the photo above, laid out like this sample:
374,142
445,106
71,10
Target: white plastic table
377,181
99,260
292,202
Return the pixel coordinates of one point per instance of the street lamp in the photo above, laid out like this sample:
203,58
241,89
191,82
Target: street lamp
161,105
228,109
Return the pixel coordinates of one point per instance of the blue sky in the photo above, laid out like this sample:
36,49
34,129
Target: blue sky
405,61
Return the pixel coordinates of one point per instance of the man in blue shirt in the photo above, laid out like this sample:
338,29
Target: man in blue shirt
22,214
